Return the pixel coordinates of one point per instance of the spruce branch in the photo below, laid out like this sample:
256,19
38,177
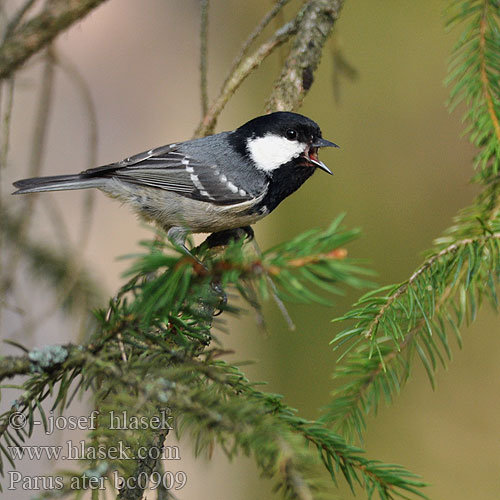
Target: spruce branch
169,364
312,262
393,324
337,456
475,74
485,69
33,35
10,366
253,422
453,249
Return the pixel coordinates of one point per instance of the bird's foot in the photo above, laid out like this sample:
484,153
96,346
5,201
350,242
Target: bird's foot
223,238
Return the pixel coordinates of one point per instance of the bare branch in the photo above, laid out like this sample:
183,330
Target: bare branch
4,150
204,56
255,33
33,35
315,26
240,73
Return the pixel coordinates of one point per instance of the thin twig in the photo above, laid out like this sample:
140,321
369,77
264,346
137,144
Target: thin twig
204,55
278,6
6,124
90,110
241,72
342,67
3,156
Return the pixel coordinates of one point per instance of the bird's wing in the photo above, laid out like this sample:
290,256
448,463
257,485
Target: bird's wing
172,170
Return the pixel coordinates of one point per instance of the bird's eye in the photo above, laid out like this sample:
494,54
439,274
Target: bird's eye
291,134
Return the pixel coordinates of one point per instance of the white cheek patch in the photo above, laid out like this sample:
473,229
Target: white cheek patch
271,151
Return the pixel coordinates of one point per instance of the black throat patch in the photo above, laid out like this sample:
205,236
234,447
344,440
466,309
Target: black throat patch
284,181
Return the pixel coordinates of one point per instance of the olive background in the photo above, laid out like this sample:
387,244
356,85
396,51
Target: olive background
401,174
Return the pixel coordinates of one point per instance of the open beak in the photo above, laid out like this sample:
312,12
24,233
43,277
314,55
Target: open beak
312,154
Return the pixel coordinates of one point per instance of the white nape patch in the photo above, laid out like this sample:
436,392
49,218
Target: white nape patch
272,151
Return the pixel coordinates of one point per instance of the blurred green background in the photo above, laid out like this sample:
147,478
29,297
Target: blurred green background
401,175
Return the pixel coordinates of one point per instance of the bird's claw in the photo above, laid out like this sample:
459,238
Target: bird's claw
223,238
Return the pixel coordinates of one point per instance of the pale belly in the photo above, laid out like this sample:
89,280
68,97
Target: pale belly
168,209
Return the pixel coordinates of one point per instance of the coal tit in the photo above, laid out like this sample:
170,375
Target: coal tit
221,182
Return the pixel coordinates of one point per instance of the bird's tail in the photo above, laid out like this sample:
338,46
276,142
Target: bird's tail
57,183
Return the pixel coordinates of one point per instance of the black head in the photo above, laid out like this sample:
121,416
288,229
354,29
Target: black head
284,124
278,138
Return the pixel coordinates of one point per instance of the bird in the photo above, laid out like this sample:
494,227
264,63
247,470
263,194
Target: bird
215,184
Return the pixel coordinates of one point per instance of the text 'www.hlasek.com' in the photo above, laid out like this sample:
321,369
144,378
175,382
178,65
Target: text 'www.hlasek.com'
100,456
